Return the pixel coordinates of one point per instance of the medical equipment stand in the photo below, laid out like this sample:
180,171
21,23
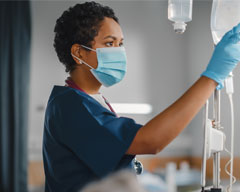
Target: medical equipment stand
216,155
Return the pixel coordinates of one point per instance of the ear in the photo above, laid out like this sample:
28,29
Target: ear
78,52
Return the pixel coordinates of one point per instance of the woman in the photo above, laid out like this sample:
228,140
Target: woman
84,140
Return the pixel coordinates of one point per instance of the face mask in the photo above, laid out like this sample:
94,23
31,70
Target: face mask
111,65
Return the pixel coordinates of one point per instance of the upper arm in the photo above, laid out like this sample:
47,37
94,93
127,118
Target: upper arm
142,143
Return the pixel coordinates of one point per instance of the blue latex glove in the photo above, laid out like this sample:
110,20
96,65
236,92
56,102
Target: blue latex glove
225,57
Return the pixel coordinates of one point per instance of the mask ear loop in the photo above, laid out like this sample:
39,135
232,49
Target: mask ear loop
88,48
81,61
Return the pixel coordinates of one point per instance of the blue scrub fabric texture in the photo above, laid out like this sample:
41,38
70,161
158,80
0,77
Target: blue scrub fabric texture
83,141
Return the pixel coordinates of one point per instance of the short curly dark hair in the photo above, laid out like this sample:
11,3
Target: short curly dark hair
78,25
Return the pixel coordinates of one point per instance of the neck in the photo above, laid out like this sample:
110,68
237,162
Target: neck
85,80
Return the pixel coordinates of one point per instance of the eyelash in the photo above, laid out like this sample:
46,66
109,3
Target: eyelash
121,44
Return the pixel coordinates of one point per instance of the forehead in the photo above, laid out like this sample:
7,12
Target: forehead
110,27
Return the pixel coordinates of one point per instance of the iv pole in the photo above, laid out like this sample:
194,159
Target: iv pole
211,126
216,155
216,125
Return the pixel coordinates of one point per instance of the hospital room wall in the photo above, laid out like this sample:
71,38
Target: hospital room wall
161,64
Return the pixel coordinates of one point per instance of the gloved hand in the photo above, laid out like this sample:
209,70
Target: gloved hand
225,57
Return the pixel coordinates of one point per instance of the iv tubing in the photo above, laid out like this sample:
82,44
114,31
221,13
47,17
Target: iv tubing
232,178
230,91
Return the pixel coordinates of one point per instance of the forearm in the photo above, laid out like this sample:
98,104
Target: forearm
162,129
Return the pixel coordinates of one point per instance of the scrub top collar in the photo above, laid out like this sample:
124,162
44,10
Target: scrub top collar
70,83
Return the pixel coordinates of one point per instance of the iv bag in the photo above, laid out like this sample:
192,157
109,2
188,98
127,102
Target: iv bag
180,12
225,15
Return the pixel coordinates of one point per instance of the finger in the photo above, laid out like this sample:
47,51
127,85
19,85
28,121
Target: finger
235,38
236,29
228,35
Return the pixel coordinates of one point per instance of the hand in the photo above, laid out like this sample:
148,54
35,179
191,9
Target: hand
225,57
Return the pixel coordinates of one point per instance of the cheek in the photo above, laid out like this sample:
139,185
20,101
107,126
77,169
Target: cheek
92,60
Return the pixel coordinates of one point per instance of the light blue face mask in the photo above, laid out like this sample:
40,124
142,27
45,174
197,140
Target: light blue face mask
111,67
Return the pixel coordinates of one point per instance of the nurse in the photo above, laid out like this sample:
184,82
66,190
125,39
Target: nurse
84,140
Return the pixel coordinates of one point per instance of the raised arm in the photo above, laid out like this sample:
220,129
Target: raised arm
162,129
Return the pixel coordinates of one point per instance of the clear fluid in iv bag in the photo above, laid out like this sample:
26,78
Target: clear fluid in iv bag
225,15
180,10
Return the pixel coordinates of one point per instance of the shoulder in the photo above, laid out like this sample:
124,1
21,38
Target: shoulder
66,93
64,101
67,100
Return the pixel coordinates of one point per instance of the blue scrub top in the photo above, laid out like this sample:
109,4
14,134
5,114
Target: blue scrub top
83,141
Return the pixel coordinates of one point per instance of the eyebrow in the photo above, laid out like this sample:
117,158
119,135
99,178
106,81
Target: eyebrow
113,37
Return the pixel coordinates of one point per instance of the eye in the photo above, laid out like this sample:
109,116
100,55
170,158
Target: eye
109,44
121,45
